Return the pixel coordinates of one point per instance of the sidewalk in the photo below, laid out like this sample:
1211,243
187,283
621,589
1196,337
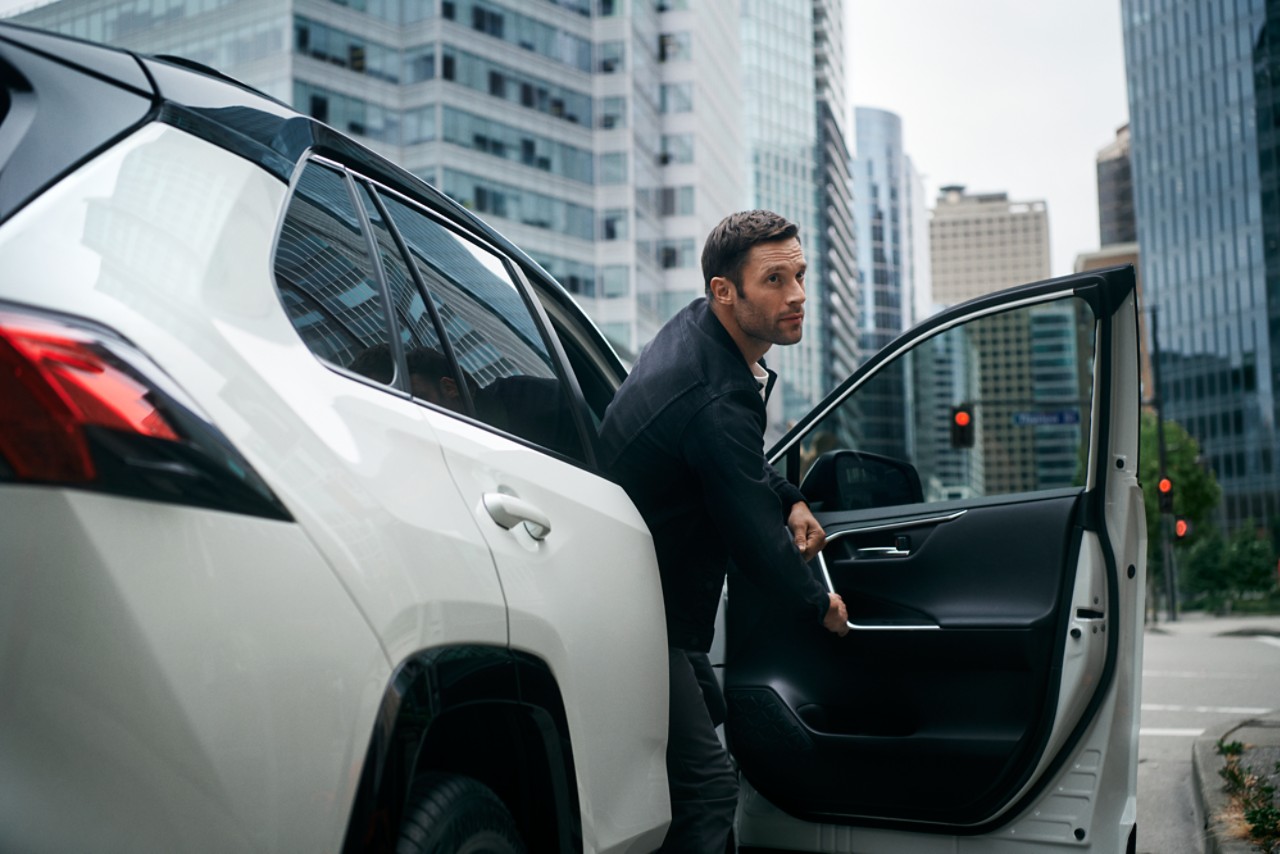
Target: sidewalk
1261,737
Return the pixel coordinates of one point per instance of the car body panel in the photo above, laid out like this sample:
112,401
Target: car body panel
121,730
588,601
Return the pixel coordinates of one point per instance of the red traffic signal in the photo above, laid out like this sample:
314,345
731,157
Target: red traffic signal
962,426
1181,527
1164,492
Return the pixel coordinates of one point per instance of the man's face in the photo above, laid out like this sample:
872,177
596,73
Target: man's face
770,309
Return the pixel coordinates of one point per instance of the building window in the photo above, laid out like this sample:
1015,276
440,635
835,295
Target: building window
610,58
674,47
676,148
676,201
676,97
613,225
615,282
613,168
613,112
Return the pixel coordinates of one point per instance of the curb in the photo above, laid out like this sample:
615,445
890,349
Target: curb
1210,795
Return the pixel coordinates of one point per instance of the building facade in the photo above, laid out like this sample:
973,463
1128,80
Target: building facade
980,243
591,132
1198,82
884,189
1029,391
781,131
1116,222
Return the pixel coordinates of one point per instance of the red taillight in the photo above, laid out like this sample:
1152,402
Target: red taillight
54,381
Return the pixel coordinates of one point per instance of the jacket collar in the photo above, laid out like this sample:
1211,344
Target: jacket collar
706,321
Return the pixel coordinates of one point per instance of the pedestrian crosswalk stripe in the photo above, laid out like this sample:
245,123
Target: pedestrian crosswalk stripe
1206,710
1161,731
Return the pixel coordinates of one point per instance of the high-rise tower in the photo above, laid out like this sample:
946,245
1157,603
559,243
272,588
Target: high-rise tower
1200,91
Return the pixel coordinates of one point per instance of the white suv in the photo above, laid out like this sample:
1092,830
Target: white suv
304,545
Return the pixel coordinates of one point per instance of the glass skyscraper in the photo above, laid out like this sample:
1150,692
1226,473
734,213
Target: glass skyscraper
781,129
884,212
1199,157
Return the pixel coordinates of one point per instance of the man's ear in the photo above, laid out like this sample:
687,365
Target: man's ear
449,386
722,290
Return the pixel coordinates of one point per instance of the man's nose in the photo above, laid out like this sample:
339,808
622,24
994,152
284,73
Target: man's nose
795,294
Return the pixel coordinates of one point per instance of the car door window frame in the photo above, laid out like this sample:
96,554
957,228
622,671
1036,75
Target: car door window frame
566,380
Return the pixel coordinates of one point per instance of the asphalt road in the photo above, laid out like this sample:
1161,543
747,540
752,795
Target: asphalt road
1198,676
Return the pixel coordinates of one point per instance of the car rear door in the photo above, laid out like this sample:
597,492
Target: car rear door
977,483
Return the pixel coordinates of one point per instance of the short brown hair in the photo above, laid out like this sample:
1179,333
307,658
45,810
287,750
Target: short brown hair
730,242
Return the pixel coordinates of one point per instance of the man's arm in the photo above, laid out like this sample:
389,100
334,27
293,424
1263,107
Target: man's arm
722,443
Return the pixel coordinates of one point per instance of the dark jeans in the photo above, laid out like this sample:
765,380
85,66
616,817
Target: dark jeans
704,787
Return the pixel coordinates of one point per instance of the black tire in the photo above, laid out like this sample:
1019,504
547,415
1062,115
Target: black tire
451,814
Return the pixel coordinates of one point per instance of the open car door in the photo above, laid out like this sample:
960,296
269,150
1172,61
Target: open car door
977,481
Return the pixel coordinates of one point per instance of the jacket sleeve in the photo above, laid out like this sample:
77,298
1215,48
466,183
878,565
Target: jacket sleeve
723,445
788,494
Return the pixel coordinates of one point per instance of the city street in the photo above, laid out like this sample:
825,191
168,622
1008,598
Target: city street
1200,674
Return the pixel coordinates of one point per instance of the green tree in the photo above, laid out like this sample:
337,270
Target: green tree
1251,561
1195,490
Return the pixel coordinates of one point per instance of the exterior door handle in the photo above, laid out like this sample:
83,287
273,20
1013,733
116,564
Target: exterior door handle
509,511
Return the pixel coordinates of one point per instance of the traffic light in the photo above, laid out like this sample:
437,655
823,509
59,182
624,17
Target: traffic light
1164,489
962,426
1181,527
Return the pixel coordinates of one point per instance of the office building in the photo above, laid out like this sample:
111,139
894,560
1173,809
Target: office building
887,208
1030,388
781,130
1201,107
982,243
1116,222
836,241
590,132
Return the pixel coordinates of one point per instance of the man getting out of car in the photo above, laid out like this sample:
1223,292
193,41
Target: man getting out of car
685,437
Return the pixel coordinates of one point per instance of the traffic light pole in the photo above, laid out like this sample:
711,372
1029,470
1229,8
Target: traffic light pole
1166,545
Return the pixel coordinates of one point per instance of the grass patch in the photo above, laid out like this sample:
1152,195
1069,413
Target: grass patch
1253,813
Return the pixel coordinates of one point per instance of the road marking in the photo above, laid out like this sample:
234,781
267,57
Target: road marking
1272,641
1210,710
1157,731
1192,674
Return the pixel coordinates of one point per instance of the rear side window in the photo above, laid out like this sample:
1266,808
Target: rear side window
507,377
377,286
326,277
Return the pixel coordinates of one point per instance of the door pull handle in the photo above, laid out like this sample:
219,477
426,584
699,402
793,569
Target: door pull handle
880,551
508,511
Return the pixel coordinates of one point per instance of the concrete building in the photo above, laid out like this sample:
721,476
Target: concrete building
1030,386
1116,222
1202,106
836,241
985,242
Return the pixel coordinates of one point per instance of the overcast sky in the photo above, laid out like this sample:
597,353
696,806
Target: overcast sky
1000,95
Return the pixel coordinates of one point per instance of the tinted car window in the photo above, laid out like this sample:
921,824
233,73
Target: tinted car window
996,406
325,275
508,376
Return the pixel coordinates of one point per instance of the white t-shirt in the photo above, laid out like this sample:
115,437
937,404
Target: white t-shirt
762,377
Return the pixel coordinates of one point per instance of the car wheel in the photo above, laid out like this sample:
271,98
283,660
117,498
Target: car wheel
451,814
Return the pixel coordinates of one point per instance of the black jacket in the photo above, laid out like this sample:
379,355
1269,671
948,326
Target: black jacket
685,438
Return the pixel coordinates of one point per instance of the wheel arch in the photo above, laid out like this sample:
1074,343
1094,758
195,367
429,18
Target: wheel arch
483,712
